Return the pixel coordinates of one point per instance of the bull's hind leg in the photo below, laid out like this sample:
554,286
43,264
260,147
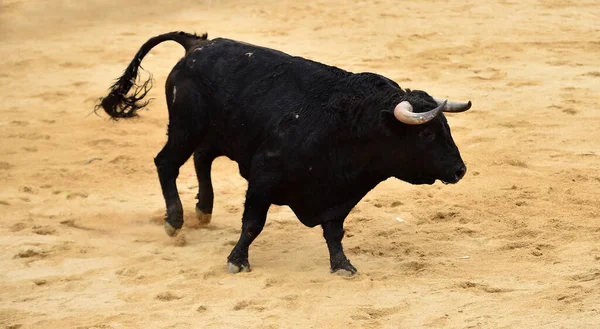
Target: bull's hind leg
202,162
168,161
185,131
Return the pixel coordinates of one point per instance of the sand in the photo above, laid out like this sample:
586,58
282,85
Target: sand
514,245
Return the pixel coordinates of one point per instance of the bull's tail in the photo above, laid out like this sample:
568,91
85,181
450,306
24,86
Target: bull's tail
117,103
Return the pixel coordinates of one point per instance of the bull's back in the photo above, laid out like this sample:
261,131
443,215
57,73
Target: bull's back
220,59
254,91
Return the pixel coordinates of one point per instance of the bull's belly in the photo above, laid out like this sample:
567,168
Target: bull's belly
312,206
314,198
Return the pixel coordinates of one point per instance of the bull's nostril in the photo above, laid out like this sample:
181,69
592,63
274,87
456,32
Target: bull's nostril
461,172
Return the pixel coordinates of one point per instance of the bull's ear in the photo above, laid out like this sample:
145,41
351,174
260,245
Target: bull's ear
388,120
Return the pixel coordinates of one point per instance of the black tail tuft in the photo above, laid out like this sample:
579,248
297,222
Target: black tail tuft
117,103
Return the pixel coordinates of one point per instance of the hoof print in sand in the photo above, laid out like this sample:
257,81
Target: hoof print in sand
167,296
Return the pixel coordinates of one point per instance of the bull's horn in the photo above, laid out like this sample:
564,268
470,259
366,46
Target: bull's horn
453,106
404,113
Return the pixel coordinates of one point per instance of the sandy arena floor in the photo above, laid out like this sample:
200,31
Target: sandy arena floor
516,244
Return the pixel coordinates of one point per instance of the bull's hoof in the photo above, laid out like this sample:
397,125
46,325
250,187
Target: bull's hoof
345,269
170,230
233,268
345,273
203,218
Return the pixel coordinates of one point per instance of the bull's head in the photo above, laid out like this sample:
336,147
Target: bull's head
427,150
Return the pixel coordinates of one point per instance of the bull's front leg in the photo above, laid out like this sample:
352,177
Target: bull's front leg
202,162
253,221
333,231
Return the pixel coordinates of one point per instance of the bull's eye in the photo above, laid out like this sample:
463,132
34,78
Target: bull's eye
427,134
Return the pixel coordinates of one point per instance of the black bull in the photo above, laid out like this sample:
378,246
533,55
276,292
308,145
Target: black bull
304,134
